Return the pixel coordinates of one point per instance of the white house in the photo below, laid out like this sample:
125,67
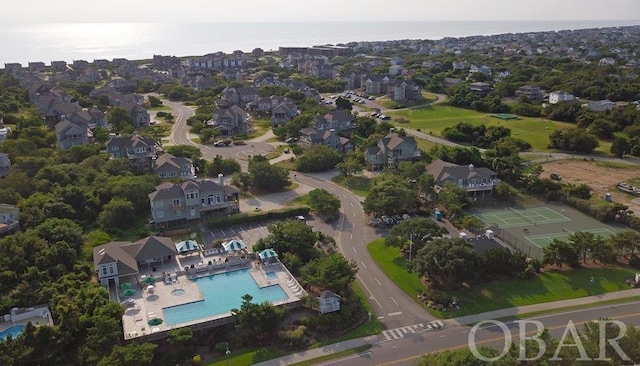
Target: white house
559,96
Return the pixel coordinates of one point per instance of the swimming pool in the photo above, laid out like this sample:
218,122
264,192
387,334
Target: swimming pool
271,275
222,293
15,331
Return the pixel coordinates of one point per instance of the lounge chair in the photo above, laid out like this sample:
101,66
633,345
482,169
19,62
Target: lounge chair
137,318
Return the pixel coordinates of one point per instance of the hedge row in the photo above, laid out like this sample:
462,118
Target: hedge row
258,216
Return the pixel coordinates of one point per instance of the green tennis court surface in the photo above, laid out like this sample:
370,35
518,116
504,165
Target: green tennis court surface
543,240
521,217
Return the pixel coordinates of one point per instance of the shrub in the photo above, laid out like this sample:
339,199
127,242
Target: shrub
634,262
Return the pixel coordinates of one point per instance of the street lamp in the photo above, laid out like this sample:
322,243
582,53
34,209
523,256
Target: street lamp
228,353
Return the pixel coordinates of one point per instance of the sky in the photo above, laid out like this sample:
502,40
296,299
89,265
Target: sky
144,11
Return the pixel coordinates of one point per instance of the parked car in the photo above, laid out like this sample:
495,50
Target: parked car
375,222
554,176
219,144
301,218
397,219
291,140
239,142
387,220
371,98
406,217
286,150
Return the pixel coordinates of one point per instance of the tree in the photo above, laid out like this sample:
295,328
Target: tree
333,272
180,336
221,165
318,158
560,253
185,151
453,198
132,354
619,147
266,177
256,322
119,118
389,198
349,166
117,214
447,262
154,101
290,236
342,103
325,203
417,231
365,126
584,242
241,180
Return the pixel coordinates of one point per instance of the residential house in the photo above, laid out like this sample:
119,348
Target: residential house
5,165
176,204
232,74
607,61
318,68
283,113
448,82
139,150
59,111
372,84
101,63
484,69
533,93
118,261
80,65
70,134
354,80
600,105
430,64
58,66
9,219
92,117
310,136
231,121
340,120
37,66
395,70
560,96
140,118
404,90
391,150
460,65
14,68
480,88
240,96
478,182
328,302
169,166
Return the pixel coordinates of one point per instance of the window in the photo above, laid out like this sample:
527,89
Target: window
160,215
176,202
104,271
111,269
218,198
159,204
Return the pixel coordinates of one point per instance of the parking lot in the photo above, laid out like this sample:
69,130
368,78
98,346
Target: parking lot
249,233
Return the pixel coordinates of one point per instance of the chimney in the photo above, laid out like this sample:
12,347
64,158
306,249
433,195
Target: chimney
221,179
392,130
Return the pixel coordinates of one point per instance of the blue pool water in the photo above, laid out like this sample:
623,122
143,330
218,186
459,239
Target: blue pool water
14,331
271,275
222,293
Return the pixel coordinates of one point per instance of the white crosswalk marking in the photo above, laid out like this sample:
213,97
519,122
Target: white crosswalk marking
397,333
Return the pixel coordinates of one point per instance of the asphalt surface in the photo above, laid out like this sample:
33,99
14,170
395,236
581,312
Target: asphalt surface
405,350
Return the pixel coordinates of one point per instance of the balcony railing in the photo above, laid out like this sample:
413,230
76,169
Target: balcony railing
482,186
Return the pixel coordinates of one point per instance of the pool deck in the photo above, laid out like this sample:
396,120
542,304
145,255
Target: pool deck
148,304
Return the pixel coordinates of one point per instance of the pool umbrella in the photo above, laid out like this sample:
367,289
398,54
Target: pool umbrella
149,280
234,245
154,321
125,286
187,246
129,292
267,253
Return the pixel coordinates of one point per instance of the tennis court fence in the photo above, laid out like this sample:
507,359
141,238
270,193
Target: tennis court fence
518,243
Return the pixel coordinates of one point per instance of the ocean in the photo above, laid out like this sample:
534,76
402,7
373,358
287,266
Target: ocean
136,41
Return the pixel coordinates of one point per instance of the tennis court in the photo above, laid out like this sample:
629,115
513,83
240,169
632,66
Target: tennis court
511,217
543,240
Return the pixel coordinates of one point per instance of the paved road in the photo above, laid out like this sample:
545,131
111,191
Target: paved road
414,343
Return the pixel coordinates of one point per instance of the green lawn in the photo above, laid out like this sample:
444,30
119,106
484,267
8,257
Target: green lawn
259,128
248,356
360,185
546,287
435,118
392,263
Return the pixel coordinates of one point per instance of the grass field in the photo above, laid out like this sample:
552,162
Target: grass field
546,287
435,118
358,184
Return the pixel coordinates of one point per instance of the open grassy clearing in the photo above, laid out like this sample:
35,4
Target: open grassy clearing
433,119
359,184
548,286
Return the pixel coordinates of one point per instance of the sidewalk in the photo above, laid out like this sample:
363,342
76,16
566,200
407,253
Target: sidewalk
319,352
502,313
